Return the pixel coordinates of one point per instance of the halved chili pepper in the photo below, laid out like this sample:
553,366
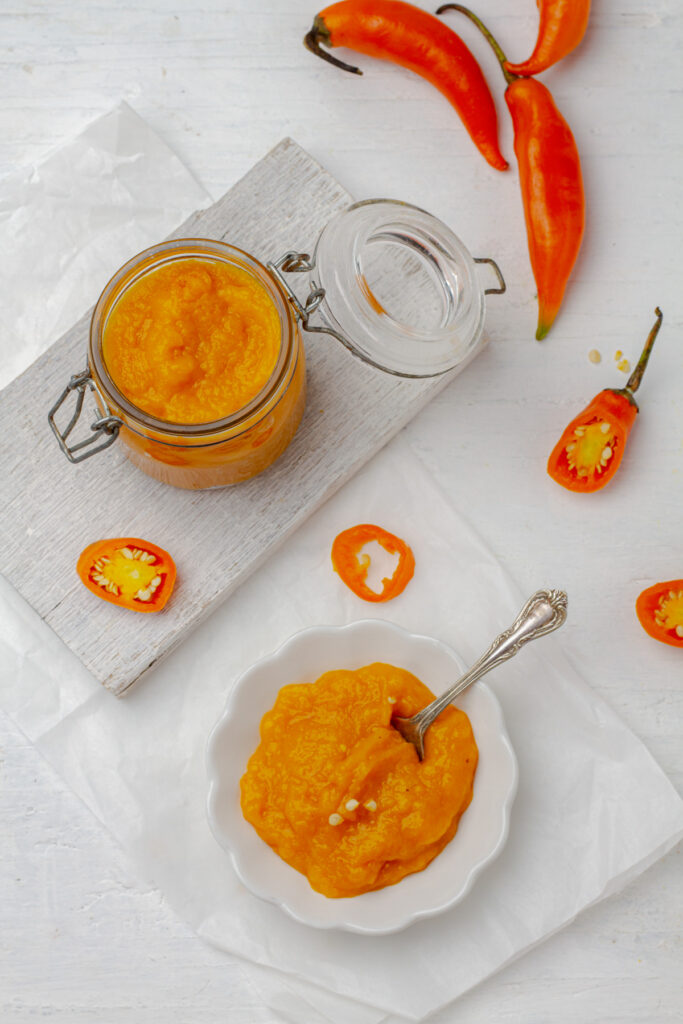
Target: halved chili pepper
660,612
352,566
128,572
591,448
550,180
562,27
407,35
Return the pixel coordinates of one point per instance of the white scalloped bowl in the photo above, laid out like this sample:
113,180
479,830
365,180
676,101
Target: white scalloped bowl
483,828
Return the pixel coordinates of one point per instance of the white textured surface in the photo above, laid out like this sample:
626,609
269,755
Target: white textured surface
222,83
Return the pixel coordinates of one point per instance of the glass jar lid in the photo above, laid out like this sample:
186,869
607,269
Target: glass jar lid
400,288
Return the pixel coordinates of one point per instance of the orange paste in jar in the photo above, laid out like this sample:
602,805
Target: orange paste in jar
341,796
192,341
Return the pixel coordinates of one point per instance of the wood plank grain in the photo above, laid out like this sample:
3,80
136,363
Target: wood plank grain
48,514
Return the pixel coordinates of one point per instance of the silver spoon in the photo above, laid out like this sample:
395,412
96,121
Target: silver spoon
544,612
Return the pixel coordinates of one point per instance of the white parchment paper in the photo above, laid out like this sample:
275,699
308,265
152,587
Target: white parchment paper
68,222
592,810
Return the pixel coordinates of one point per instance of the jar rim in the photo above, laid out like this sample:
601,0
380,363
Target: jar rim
358,316
151,259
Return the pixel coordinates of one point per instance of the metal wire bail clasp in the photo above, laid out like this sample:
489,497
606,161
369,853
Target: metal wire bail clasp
105,428
300,263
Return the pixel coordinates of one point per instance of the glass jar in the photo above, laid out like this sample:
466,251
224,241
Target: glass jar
197,455
388,280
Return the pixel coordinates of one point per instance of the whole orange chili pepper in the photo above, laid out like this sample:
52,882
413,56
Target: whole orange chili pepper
409,36
353,568
591,448
660,612
562,27
129,572
550,180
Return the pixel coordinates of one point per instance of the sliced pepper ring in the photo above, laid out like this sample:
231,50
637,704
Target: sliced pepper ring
660,612
353,567
129,572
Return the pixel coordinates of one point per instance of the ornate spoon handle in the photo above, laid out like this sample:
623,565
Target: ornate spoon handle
542,613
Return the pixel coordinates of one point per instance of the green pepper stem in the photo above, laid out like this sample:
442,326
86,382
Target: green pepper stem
637,375
318,34
495,45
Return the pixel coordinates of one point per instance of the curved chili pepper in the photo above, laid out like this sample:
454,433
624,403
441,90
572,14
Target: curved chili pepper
353,567
550,180
552,192
660,612
591,448
129,572
562,27
409,36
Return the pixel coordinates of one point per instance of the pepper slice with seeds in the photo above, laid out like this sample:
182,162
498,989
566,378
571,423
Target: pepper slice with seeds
660,612
591,448
128,572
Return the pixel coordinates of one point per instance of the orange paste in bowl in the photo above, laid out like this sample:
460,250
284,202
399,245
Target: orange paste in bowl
192,341
341,796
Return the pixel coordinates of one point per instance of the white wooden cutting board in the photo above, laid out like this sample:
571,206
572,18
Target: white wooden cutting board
50,510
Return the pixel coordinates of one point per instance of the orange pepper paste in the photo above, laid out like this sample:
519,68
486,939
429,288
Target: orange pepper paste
192,341
341,796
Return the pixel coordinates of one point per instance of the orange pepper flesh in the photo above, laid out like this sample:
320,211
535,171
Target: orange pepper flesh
128,572
192,341
591,448
341,796
407,35
551,185
561,28
352,567
660,612
550,181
